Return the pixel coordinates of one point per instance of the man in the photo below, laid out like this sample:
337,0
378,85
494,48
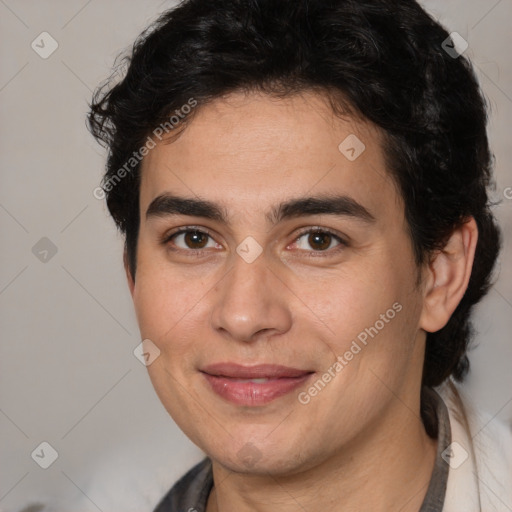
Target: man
302,185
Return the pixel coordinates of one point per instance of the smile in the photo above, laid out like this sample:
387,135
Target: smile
253,385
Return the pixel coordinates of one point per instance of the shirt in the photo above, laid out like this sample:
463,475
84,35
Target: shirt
190,493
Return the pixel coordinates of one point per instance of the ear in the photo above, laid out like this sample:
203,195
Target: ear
447,276
129,277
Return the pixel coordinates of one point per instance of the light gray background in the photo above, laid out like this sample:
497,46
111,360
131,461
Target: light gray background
68,375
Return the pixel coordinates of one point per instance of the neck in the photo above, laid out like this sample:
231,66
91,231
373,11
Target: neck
387,468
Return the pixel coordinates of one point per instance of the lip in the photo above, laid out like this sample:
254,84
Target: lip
231,382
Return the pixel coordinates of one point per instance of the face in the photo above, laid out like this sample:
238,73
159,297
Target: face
276,277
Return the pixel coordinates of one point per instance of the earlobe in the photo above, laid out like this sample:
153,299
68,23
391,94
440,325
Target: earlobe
447,277
129,277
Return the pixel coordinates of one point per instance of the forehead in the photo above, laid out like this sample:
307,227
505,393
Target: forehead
250,150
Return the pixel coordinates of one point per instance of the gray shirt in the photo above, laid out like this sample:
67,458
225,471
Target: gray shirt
190,493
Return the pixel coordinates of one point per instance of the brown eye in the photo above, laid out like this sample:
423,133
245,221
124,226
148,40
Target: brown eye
320,241
196,239
191,240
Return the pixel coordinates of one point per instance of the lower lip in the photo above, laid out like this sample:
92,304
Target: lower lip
253,393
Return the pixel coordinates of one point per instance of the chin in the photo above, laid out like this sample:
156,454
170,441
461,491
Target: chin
253,458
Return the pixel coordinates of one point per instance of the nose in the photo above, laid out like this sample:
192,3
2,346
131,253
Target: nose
251,302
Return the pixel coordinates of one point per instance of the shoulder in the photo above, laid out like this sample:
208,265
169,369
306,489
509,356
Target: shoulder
480,475
114,485
191,491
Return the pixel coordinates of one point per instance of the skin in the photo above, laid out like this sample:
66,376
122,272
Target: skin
359,444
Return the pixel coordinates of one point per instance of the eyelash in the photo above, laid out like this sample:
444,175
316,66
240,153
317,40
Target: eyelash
342,242
167,238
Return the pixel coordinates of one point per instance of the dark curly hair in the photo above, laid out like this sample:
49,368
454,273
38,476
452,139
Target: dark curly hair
379,59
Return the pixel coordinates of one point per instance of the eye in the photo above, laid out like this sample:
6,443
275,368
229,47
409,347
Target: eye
192,239
319,240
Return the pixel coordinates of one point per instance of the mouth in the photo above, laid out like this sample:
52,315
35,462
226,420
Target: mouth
253,385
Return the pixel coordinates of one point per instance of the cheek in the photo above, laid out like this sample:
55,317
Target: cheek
173,314
155,308
371,315
162,296
345,302
169,319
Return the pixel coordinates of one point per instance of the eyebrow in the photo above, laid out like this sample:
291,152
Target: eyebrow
167,204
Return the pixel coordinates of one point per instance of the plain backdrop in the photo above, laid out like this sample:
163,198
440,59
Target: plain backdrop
68,374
